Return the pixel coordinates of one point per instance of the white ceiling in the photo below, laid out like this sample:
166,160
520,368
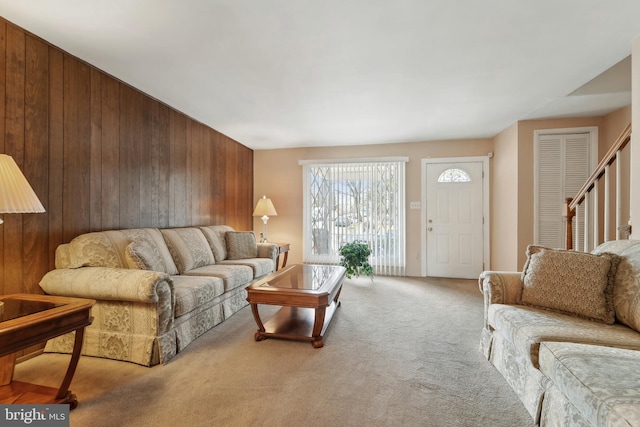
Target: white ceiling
294,73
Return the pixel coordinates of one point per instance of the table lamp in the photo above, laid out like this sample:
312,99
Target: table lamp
16,195
265,209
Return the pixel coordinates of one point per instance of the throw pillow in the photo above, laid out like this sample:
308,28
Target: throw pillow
154,236
626,293
188,247
241,244
144,255
571,282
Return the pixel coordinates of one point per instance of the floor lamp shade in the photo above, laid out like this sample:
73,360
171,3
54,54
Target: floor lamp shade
16,195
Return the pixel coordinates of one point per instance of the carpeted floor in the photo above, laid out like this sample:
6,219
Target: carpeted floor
399,352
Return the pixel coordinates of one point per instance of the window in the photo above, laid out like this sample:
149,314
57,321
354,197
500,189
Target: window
454,175
355,201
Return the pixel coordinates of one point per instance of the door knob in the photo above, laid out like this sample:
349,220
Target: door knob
430,229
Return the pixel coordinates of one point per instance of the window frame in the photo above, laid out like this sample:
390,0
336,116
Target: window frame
381,267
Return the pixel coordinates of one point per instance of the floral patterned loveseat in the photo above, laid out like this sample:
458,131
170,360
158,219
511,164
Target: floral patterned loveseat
156,290
564,333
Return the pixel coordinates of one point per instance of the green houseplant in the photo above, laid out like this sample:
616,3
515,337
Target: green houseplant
354,257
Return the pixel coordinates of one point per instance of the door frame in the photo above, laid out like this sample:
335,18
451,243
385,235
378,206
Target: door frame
592,131
486,255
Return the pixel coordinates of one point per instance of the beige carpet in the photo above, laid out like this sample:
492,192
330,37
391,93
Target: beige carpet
399,352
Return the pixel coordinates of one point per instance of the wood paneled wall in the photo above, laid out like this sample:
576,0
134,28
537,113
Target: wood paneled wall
101,155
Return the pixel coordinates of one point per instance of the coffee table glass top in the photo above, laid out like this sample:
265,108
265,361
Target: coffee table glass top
303,276
14,308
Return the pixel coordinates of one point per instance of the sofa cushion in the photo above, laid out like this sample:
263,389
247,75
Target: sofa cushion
626,292
261,266
556,410
241,245
526,327
188,247
144,255
215,235
577,283
602,383
194,291
234,276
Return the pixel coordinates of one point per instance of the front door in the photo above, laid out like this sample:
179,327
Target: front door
454,209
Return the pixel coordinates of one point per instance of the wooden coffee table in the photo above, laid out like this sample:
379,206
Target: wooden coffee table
28,319
308,295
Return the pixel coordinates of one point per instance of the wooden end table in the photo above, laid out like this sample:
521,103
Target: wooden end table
29,319
308,295
283,248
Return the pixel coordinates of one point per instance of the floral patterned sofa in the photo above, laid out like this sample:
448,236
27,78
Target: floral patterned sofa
157,290
564,333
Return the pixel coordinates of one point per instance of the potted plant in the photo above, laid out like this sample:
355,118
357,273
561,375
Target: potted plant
354,257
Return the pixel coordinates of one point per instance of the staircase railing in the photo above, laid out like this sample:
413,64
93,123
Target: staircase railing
589,197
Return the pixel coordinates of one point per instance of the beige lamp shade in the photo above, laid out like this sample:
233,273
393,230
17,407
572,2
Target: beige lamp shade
16,195
265,207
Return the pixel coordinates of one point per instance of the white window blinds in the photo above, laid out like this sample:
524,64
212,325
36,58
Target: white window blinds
355,201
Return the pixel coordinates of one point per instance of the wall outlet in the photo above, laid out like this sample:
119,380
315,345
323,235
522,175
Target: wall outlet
414,205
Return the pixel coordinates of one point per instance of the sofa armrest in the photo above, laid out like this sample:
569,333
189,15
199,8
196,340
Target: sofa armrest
499,287
105,283
268,250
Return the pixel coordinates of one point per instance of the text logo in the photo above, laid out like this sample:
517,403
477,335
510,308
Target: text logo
34,415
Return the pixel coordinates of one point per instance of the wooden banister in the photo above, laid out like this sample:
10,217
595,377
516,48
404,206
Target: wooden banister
611,155
569,209
568,214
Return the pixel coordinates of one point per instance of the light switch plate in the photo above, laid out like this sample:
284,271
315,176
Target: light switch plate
414,205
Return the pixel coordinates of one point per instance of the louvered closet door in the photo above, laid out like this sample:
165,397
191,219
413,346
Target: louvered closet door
562,167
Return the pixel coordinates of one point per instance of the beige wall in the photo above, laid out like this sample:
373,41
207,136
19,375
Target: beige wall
526,176
504,196
612,125
278,176
512,223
